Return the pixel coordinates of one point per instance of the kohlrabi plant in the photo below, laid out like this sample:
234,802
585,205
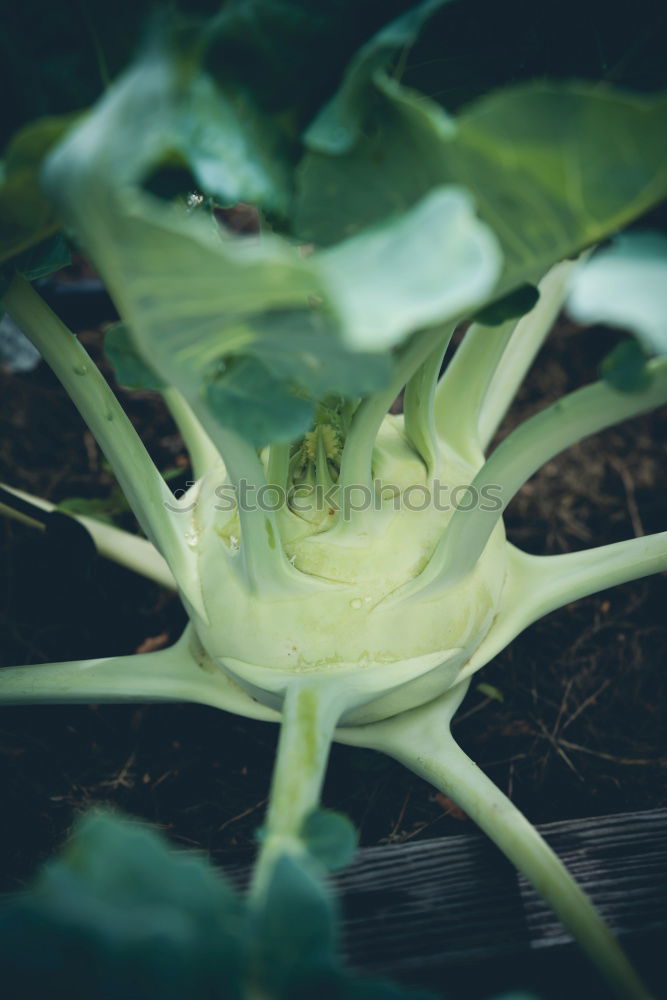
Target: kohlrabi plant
345,570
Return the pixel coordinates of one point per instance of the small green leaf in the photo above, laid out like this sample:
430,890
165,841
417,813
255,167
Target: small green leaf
40,260
105,509
510,306
625,367
330,837
131,370
247,395
44,258
489,691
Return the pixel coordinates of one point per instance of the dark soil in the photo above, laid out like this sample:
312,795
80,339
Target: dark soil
580,729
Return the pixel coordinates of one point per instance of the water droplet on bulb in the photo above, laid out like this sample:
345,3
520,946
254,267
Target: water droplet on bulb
234,543
80,369
191,538
356,604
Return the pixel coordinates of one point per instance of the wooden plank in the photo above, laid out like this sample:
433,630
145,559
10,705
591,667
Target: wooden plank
452,915
437,912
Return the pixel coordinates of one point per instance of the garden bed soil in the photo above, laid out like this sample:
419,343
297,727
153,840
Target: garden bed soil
571,723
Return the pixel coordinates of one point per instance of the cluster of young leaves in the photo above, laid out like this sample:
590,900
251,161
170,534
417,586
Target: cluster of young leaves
119,913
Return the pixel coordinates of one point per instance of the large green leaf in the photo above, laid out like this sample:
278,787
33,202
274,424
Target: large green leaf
194,295
420,267
120,914
552,168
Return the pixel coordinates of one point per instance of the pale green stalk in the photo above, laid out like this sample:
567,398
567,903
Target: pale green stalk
122,547
461,391
357,461
182,673
311,709
531,332
277,467
521,454
265,567
203,453
537,585
146,492
484,375
419,409
422,741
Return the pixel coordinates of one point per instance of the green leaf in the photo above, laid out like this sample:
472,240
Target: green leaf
196,297
304,346
294,929
330,838
510,306
340,123
290,54
430,264
122,914
625,367
245,395
490,691
625,285
26,216
105,509
233,153
131,370
40,260
44,258
552,168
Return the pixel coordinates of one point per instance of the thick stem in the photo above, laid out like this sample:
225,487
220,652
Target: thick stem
265,567
181,673
142,484
277,467
421,740
309,717
419,412
531,332
460,393
489,366
357,462
165,675
568,577
521,454
122,547
203,453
